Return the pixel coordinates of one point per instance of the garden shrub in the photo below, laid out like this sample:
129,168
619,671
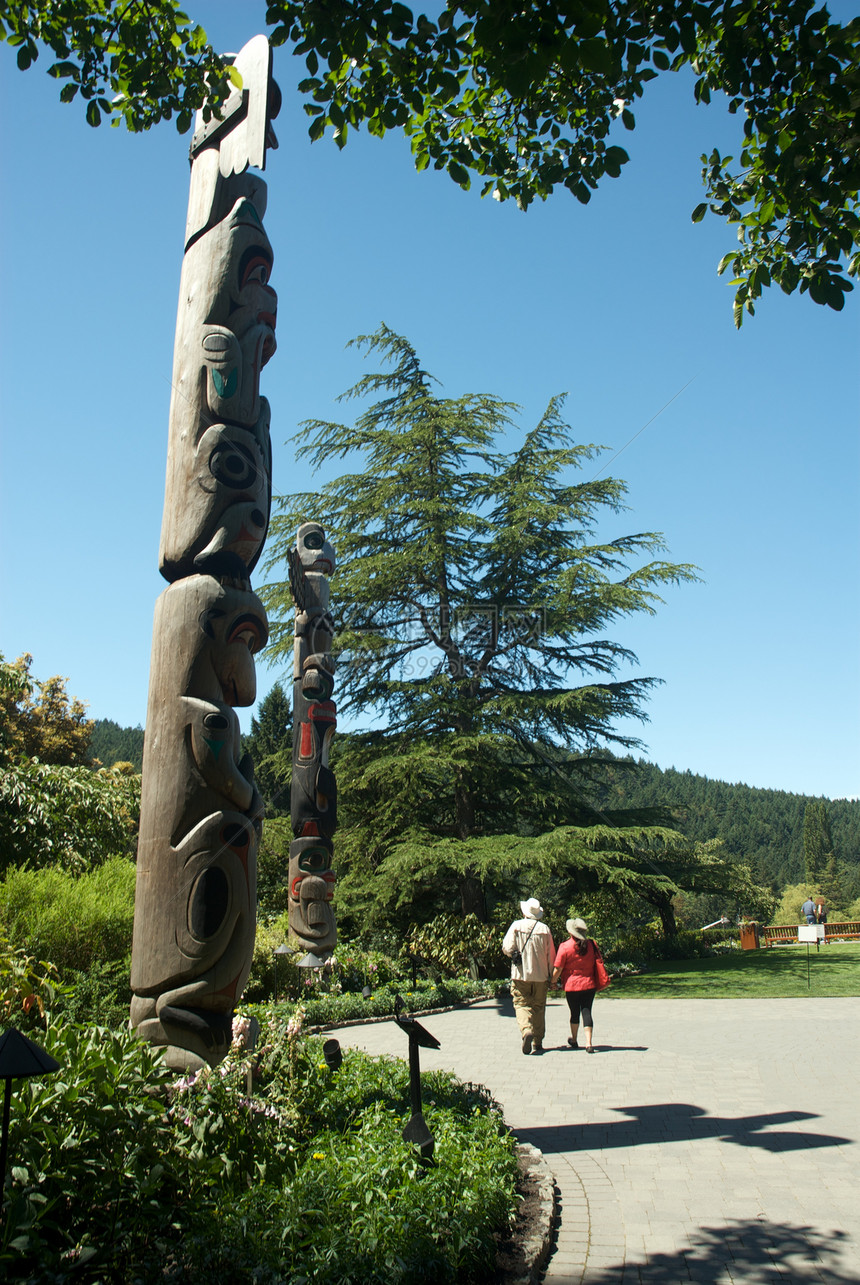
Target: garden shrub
350,968
359,965
329,1007
27,986
73,920
271,975
124,1172
91,1148
71,815
380,1215
98,995
363,1209
648,944
458,945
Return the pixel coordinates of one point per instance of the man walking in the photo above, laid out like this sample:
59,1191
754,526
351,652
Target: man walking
530,947
808,910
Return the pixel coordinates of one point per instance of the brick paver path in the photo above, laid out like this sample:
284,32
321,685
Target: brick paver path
707,1140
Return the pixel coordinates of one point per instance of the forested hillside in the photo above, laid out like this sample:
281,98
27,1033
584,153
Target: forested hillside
762,827
110,743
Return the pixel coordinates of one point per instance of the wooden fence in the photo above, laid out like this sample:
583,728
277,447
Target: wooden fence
774,934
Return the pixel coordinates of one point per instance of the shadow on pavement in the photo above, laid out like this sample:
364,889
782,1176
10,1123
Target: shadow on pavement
753,1251
598,1048
678,1122
504,1004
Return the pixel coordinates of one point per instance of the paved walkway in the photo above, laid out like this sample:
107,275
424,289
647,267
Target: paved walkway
708,1140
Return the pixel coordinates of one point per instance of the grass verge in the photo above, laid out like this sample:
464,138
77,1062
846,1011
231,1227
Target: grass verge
777,973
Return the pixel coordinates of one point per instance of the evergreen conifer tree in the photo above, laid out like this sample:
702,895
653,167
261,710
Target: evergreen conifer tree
471,591
817,841
270,745
830,884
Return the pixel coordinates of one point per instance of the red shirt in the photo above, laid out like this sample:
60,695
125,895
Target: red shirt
577,971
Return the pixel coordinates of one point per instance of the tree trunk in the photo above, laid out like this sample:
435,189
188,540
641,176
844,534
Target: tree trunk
472,899
666,912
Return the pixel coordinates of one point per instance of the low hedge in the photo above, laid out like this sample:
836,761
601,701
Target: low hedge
643,945
327,1009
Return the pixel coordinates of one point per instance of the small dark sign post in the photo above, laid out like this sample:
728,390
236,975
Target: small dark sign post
20,1058
416,1130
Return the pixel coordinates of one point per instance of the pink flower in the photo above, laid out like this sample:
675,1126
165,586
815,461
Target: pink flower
187,1082
241,1031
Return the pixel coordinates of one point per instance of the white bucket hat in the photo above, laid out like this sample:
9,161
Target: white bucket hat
532,909
577,928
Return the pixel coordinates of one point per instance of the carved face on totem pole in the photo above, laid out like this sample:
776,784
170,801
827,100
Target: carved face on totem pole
220,460
313,812
315,552
200,822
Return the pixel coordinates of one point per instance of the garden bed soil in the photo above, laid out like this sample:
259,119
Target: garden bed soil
522,1252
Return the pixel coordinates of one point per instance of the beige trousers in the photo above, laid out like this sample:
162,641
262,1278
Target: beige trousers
530,1007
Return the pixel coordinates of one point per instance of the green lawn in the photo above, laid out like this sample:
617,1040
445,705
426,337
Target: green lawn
750,974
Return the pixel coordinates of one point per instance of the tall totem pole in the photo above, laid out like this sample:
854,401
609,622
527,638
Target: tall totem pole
201,814
313,795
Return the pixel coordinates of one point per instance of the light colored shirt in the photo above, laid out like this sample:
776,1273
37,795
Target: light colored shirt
538,950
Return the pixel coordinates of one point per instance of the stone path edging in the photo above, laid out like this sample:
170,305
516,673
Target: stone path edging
538,1242
389,1017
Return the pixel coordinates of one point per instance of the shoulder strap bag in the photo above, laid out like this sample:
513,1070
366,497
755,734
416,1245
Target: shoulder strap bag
601,976
516,953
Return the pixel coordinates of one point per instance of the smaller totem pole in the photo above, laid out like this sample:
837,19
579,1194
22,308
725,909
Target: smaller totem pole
313,795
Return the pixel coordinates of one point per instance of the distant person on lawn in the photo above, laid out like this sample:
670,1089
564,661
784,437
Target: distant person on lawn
529,945
808,909
576,969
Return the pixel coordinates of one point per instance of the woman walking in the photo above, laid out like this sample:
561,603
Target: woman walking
576,966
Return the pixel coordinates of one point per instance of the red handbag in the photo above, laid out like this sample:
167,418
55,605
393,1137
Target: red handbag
601,977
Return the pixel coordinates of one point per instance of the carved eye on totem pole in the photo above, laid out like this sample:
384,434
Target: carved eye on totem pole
315,552
236,634
238,335
311,890
229,500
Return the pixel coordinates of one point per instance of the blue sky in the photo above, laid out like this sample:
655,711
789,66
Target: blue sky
751,472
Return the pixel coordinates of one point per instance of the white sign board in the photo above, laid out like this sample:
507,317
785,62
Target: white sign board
810,932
